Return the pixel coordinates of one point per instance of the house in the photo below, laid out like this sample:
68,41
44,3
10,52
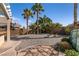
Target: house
5,20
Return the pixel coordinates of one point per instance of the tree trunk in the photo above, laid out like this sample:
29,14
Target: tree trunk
27,25
75,15
37,24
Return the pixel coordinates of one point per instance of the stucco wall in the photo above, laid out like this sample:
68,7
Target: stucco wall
1,39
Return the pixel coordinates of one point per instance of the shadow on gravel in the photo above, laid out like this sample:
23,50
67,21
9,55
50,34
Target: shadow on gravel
25,38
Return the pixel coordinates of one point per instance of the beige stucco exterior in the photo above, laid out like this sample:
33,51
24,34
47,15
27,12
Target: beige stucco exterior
1,39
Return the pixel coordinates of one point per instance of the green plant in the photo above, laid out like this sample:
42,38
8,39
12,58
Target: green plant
27,13
37,8
71,52
64,45
20,31
67,30
65,39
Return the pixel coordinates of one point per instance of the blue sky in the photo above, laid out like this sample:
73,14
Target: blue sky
59,12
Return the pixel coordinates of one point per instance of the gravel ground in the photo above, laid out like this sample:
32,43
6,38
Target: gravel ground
40,50
31,42
8,48
26,43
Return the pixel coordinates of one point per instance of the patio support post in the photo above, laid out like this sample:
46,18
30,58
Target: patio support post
8,30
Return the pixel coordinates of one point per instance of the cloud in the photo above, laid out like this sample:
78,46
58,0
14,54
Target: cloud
19,21
15,19
30,21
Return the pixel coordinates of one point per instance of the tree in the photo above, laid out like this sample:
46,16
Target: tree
45,24
67,30
37,8
27,13
75,15
33,27
56,28
44,20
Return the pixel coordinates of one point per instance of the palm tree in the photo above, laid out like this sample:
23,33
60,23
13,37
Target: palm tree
45,24
45,20
27,13
37,8
75,15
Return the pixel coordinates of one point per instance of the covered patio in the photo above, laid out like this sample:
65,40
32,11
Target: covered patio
5,20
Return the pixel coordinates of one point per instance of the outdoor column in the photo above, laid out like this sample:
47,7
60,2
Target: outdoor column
8,30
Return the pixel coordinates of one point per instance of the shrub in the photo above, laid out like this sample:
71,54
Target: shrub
71,53
21,31
65,39
58,47
65,45
62,46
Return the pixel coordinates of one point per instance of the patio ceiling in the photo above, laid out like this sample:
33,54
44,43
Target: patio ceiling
5,10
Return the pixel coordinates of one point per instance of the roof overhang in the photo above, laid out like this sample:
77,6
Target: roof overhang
6,12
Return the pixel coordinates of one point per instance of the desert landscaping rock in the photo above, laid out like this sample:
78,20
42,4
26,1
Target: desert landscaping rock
44,53
33,50
55,52
51,49
29,54
49,52
39,54
46,50
46,46
21,53
35,54
39,50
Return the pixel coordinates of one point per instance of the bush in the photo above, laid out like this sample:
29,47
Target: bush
65,45
58,47
62,46
71,53
65,39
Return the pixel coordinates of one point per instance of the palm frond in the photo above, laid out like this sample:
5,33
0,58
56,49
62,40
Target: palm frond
27,13
37,7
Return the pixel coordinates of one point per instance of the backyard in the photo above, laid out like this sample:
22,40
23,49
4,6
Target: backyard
38,29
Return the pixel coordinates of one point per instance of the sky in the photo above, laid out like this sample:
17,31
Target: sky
58,12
